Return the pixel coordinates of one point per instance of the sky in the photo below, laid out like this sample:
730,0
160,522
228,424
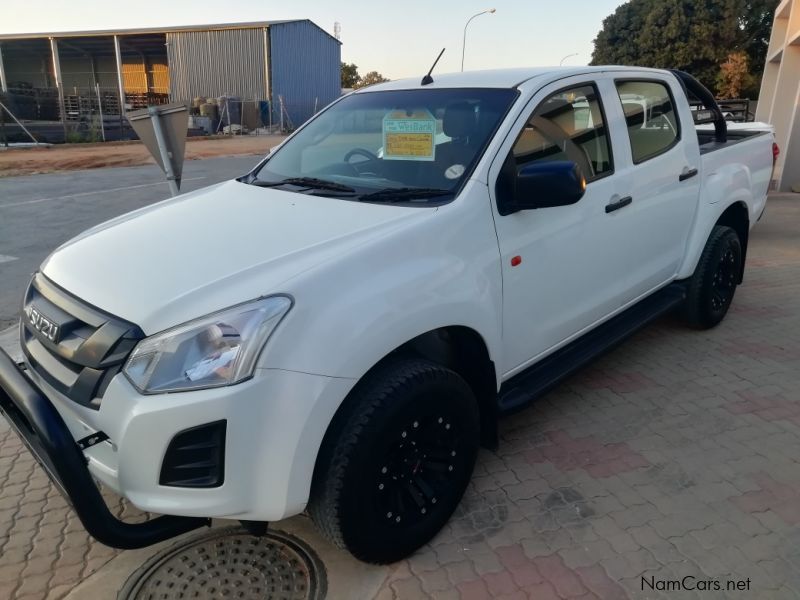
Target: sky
398,39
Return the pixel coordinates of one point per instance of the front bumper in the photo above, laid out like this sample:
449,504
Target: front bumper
50,441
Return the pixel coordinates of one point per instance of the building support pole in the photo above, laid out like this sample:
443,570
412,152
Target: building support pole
3,80
93,65
100,110
3,137
120,85
59,84
267,82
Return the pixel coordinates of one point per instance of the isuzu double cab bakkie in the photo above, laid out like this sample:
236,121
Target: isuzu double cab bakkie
339,330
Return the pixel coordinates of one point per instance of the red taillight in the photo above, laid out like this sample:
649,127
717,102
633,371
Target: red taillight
775,152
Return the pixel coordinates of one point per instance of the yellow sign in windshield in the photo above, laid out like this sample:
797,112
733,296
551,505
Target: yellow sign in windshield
409,136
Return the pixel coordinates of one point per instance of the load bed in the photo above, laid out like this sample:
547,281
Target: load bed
708,142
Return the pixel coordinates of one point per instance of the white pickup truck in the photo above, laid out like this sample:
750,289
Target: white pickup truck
339,330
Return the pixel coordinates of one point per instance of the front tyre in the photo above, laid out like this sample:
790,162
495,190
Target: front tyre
397,460
714,282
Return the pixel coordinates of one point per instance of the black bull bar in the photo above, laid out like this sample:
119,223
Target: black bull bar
47,437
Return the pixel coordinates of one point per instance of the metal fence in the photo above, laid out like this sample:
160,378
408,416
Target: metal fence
41,104
33,104
91,114
240,116
94,115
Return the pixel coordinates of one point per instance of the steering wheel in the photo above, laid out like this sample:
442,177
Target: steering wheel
561,138
372,159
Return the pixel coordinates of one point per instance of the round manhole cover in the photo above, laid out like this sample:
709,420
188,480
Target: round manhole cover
230,563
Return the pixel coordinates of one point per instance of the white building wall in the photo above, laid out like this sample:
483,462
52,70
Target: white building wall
779,100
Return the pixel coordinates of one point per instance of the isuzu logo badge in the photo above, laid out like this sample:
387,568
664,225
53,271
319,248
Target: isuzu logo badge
46,326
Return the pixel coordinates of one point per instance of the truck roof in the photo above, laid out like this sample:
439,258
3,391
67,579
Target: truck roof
496,78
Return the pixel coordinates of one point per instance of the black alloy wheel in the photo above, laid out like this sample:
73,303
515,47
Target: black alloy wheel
713,285
723,285
419,466
396,460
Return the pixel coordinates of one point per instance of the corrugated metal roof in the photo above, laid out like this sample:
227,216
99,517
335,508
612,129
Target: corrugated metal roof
167,29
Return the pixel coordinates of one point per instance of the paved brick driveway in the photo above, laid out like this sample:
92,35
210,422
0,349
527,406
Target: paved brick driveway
675,455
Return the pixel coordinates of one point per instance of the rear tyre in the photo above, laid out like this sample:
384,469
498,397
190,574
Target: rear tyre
714,282
396,461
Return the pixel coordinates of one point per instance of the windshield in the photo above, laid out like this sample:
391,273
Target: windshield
404,145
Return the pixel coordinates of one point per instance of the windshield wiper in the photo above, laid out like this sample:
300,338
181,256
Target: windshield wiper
403,193
309,182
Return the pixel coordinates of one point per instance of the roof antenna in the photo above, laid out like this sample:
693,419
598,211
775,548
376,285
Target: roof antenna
428,79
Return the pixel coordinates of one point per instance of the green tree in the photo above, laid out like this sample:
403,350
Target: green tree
756,24
350,76
370,78
618,40
693,35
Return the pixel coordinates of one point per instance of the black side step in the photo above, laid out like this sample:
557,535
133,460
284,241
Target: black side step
522,389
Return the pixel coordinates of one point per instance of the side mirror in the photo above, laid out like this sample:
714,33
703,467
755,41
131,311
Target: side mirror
541,185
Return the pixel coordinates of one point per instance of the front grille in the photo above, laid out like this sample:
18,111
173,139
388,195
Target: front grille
196,457
73,346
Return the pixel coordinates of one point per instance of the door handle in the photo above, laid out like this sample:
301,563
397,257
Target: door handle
687,174
621,203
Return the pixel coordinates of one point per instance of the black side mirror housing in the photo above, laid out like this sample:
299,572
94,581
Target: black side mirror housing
539,185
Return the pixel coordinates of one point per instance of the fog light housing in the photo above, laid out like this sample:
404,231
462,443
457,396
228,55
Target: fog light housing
195,457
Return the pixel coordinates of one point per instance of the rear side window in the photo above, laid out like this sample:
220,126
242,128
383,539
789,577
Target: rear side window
653,126
567,126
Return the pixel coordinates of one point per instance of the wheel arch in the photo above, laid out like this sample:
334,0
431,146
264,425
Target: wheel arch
463,350
459,348
737,217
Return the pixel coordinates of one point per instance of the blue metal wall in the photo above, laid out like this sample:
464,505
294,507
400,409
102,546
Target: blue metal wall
305,69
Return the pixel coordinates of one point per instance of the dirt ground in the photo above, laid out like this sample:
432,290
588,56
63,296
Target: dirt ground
70,157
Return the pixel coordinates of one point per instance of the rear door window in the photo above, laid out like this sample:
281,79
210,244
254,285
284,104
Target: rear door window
653,126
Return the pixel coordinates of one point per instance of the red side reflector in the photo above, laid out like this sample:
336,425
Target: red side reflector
775,151
516,261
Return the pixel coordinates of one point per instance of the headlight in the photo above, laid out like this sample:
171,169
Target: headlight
219,349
